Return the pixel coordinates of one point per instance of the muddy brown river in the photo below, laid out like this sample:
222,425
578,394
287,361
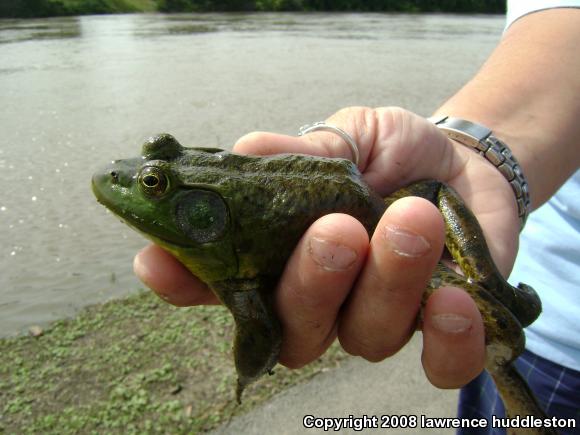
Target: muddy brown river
77,92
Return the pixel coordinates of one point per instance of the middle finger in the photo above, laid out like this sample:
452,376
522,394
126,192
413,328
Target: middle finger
381,313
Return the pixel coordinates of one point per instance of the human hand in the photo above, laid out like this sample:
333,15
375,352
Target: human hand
338,284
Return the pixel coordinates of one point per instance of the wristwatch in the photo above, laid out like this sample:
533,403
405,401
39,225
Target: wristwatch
480,139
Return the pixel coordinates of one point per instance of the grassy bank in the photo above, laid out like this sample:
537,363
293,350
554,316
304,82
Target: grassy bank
136,365
47,8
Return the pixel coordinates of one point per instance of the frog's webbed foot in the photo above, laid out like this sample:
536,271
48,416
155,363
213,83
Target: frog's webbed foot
532,301
258,334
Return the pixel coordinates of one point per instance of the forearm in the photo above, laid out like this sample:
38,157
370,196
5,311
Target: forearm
528,93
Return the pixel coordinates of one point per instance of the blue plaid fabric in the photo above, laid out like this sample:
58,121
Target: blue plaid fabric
557,389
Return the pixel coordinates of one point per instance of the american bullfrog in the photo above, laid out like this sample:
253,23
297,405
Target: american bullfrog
233,221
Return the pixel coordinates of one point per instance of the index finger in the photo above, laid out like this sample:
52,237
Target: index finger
170,279
264,143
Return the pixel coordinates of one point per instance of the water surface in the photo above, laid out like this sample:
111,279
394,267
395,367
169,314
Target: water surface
78,92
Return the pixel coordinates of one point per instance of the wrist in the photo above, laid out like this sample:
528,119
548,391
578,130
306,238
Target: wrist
481,140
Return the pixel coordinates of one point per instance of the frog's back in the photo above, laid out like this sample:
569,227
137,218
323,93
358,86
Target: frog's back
273,200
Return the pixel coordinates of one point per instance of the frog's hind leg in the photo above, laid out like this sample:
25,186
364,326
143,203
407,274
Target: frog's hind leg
465,241
504,341
518,399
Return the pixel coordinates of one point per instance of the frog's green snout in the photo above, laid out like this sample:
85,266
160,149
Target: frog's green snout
103,179
100,183
110,181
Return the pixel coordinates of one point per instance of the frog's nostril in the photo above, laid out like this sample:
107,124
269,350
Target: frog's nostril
115,175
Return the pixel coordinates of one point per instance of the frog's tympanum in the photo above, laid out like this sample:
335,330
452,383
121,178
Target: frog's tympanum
233,221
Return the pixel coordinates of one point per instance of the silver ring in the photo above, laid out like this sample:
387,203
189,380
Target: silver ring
322,126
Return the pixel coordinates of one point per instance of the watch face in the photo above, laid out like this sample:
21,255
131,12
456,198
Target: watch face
480,139
476,131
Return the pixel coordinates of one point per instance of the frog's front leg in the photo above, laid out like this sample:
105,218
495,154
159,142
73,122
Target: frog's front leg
258,333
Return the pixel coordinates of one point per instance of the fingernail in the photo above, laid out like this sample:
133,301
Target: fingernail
451,323
406,243
331,255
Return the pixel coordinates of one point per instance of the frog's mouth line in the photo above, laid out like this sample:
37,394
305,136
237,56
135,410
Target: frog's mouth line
124,215
148,231
135,222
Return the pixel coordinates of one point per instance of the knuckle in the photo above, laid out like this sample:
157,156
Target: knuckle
294,289
447,375
393,116
302,347
388,292
351,111
365,348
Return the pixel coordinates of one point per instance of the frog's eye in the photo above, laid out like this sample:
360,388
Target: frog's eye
153,181
202,215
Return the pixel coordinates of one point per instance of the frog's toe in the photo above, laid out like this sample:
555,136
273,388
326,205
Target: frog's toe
256,350
239,391
253,365
529,306
244,381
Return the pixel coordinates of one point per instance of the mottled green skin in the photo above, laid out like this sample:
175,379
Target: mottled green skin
267,203
234,220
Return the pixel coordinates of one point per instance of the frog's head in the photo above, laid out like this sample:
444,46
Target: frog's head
191,221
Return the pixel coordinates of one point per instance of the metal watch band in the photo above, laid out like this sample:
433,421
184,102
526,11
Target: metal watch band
481,140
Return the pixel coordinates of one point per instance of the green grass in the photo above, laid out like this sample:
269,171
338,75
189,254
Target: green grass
136,365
